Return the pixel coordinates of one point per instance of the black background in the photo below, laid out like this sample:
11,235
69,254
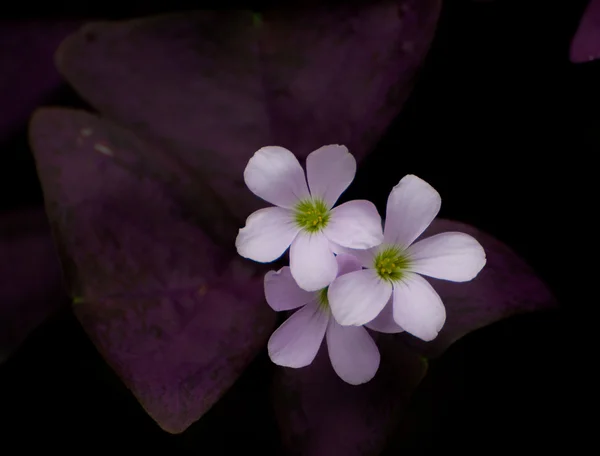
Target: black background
502,124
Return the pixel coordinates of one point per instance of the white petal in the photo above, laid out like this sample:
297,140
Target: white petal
356,225
347,263
296,342
418,308
267,234
450,256
330,169
312,262
283,293
358,297
353,353
411,207
275,175
364,256
384,322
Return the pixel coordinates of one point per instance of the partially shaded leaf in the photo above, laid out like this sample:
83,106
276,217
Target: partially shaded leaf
586,43
213,87
320,414
506,286
31,285
176,316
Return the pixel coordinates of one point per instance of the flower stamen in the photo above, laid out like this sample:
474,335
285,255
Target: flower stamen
391,264
312,215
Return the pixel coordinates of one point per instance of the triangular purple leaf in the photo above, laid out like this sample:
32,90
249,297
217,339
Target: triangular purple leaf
213,87
320,415
177,316
506,286
586,43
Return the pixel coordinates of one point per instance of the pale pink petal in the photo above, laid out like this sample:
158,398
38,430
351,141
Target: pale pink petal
356,225
358,297
418,308
411,207
283,293
353,353
365,257
296,342
312,262
450,256
275,175
330,169
267,234
384,322
347,263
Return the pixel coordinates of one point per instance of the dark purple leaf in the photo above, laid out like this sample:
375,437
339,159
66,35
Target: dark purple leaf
586,43
176,316
28,74
506,286
31,281
321,415
213,87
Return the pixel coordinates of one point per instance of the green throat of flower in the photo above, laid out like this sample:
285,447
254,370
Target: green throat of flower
312,215
322,298
391,264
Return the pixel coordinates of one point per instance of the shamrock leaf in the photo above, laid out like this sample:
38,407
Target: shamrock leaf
319,414
176,316
212,87
586,43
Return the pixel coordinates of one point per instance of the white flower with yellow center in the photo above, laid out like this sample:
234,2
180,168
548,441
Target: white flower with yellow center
392,275
303,218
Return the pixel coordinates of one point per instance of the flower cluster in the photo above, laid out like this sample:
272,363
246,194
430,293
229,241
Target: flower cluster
346,271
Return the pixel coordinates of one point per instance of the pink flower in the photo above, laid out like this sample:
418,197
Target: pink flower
304,218
391,281
353,353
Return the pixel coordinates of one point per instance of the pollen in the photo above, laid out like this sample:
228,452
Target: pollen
312,215
391,264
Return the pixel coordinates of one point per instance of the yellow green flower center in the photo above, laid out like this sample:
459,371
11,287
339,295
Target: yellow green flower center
391,264
322,298
311,215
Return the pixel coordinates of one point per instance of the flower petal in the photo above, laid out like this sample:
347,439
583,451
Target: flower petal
384,322
267,234
358,297
296,342
312,262
411,207
356,225
275,175
450,256
330,170
365,257
353,353
283,293
347,263
418,308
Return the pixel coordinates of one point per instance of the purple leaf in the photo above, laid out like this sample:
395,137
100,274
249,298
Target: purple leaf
320,414
32,286
28,74
213,87
586,43
506,286
176,316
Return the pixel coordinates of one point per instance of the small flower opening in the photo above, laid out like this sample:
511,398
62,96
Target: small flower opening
312,215
391,264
